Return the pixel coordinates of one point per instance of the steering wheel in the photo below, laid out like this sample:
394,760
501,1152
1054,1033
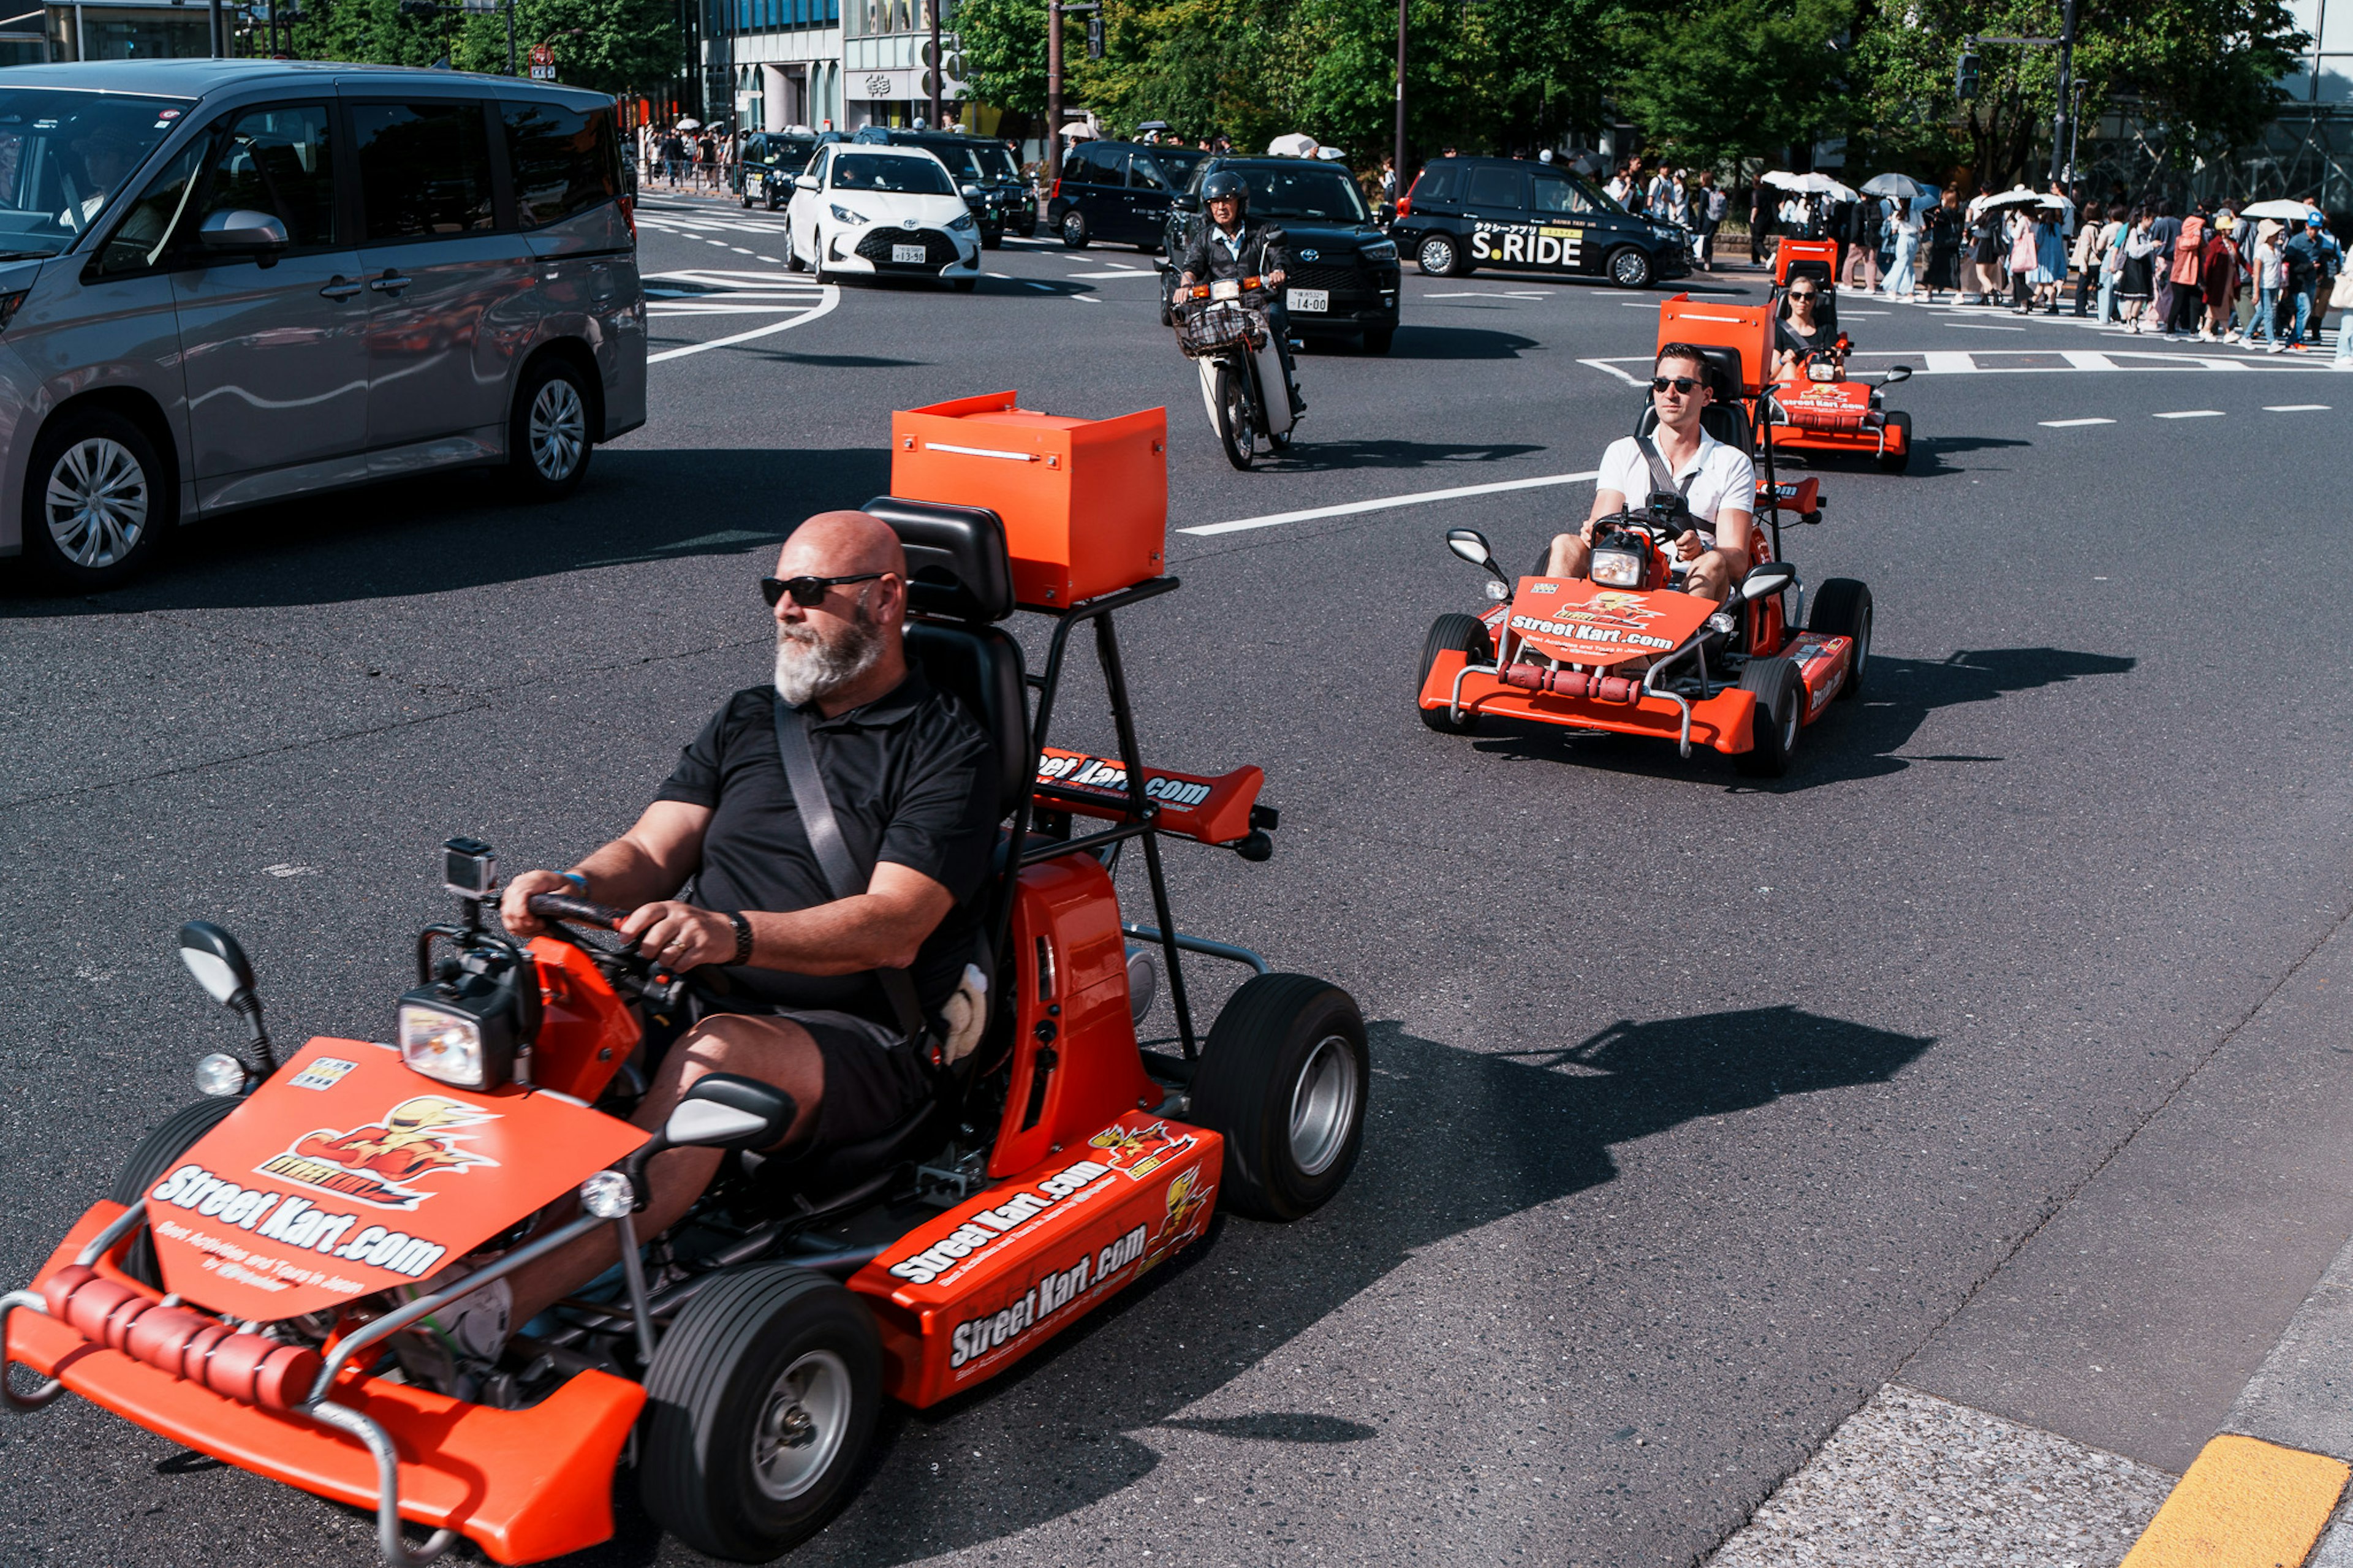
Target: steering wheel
562,908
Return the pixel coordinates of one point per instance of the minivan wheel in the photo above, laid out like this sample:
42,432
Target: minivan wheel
1438,257
1074,229
548,440
98,504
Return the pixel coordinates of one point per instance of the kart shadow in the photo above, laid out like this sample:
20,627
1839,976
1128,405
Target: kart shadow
1455,1140
466,531
1325,456
1857,739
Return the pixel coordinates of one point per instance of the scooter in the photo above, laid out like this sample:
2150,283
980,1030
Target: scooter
1223,327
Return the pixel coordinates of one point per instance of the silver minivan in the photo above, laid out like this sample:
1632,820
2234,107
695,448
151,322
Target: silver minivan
224,282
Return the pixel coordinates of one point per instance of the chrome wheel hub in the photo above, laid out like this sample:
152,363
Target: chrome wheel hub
801,1428
1324,1106
96,503
559,430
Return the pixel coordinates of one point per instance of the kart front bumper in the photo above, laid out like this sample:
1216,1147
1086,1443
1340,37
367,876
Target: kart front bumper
523,1485
1869,431
1725,722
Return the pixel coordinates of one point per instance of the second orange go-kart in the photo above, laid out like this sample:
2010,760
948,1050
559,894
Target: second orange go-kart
1818,407
1625,650
235,1290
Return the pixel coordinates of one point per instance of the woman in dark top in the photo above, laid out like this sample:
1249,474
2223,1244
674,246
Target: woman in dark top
1797,333
1987,246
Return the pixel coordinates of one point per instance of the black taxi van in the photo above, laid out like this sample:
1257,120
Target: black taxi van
1515,215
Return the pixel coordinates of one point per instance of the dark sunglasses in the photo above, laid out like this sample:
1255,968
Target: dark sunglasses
1682,383
809,592
1805,293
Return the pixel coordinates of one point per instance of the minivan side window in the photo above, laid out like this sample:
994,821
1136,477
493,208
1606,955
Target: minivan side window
425,169
565,161
1074,167
1436,184
1494,187
280,161
139,240
1556,194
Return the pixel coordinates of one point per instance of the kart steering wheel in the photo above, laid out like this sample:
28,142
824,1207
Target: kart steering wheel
561,908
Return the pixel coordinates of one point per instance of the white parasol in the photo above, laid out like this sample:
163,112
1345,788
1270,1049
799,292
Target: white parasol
690,124
2279,207
1816,183
1296,145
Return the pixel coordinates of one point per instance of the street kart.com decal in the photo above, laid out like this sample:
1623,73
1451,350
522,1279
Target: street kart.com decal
1041,1303
1577,631
1111,778
1138,1151
1529,243
295,1225
370,1163
989,1226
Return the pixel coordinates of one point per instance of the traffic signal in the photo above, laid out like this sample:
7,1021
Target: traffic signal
1095,38
1965,76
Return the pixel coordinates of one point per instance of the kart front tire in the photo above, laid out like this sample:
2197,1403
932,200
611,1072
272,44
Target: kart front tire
759,1405
148,1163
1842,608
1896,462
1780,709
1454,633
1282,1080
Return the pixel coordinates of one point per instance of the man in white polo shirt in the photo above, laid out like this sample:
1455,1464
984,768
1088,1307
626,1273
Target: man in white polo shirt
1718,483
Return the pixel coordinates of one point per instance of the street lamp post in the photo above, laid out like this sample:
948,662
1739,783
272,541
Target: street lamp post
1397,163
1053,88
2063,138
933,6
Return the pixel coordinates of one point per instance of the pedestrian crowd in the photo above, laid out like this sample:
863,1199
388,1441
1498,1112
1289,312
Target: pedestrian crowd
1694,203
687,155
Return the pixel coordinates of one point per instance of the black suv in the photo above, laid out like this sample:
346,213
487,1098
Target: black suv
1343,277
770,160
1517,215
984,171
1119,192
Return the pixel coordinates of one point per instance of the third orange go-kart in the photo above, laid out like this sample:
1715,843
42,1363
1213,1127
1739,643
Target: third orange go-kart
1626,650
1818,407
235,1289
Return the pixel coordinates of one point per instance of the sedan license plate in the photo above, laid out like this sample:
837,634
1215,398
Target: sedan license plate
1317,300
913,253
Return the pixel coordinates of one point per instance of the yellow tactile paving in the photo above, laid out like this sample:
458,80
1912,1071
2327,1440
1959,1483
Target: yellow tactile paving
2243,1504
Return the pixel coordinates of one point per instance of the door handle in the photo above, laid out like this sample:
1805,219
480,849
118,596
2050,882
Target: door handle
340,288
392,282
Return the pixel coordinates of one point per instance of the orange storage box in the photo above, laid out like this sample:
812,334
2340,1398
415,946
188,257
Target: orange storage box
1085,501
1747,329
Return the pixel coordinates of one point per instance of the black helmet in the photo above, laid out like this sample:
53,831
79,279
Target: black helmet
1224,183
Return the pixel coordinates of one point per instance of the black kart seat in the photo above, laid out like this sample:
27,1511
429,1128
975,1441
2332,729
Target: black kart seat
956,563
981,667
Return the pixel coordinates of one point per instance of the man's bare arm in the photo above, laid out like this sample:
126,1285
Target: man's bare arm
881,928
651,861
1605,504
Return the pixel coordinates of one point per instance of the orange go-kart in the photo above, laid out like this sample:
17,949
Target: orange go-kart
1625,650
1817,407
236,1289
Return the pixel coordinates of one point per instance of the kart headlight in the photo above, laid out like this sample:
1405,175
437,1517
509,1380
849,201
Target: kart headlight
220,1074
962,223
1616,568
607,1195
1379,250
442,1044
1821,372
1499,592
1722,621
843,214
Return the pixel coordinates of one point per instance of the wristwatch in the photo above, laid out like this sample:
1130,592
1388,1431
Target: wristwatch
743,939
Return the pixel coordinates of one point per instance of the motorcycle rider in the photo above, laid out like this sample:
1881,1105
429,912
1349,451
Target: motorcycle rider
1230,245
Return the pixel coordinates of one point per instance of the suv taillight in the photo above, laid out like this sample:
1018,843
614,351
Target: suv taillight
629,213
1405,205
1056,194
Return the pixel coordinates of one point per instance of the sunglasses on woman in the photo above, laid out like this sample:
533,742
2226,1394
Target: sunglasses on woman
1805,293
1682,383
809,592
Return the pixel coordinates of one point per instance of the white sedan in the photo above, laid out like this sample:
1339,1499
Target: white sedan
889,211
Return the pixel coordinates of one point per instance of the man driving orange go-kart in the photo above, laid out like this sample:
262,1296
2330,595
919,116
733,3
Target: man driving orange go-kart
1715,483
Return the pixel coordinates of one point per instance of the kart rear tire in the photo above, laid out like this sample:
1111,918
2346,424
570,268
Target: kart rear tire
1896,462
1780,711
717,1385
1842,608
157,1153
1282,1080
1453,633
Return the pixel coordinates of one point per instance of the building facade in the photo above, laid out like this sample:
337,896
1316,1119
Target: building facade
829,64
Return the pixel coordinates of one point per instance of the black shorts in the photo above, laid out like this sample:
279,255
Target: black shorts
873,1079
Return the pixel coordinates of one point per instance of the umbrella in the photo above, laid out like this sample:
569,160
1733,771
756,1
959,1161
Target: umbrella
689,125
1813,184
1588,163
2016,196
2281,209
1077,131
1295,145
1903,187
1330,154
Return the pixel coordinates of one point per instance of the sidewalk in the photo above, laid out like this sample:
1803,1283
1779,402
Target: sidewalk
2161,1374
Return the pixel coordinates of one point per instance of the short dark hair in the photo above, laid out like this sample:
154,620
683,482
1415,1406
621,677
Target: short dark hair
1680,351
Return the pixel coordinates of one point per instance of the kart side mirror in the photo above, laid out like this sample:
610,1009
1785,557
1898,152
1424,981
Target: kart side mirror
726,1111
216,961
1896,372
1773,577
1472,546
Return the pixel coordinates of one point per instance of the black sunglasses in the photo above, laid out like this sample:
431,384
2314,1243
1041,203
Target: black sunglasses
1805,293
809,592
1682,383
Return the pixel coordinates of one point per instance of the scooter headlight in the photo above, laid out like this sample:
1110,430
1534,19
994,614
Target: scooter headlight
1617,569
442,1044
1226,289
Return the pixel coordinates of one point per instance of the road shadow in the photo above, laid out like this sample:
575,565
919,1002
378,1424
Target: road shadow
1324,456
1929,457
1420,342
463,531
1857,739
1455,1140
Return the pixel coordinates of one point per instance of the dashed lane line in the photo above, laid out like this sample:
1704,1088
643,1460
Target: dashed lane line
2296,408
2190,414
1383,503
2071,424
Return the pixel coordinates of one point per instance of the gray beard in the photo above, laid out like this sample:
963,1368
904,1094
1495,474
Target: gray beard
809,667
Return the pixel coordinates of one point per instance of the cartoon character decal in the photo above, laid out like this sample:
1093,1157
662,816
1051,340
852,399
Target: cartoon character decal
375,1163
1138,1151
1188,1199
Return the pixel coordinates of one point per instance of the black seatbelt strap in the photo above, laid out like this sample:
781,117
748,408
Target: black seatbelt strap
1663,477
833,857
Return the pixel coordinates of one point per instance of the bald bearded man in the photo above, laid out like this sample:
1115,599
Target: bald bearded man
720,875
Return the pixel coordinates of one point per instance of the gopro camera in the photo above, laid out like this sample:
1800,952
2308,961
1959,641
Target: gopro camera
468,868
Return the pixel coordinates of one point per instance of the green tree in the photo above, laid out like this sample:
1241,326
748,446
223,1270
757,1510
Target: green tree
606,45
1003,44
1728,78
1538,70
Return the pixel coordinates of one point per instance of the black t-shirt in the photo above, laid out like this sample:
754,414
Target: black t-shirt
913,782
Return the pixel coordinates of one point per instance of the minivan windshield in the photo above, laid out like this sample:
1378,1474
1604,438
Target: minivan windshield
1178,163
1323,195
63,155
909,176
989,161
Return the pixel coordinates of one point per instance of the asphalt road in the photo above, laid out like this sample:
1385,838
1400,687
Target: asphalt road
1699,1104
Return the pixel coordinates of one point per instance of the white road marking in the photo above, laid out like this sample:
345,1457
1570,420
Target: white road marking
1088,298
2005,362
814,299
1949,361
2190,414
2071,424
1606,367
1123,272
1983,327
772,260
1349,509
739,250
2296,408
